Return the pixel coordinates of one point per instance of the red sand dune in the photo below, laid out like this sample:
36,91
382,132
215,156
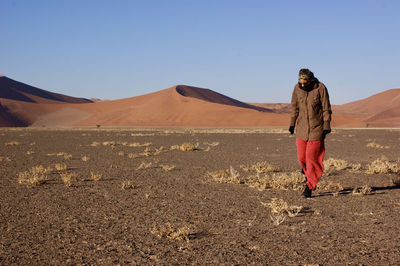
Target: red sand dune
15,90
382,109
176,106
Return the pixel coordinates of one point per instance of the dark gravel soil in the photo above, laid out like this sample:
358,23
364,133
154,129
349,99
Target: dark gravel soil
180,216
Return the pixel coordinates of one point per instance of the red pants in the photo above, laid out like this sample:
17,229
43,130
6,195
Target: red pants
311,156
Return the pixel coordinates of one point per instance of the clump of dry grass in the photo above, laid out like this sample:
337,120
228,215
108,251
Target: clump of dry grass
376,146
286,181
69,178
365,190
259,167
137,144
30,152
4,159
279,210
382,166
85,158
228,176
35,176
60,166
167,168
331,165
133,155
12,143
66,156
187,146
121,153
127,184
329,185
147,152
159,150
173,232
109,143
142,134
396,181
265,177
144,165
95,177
212,144
95,144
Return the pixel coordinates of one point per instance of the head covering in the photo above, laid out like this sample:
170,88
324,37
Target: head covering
306,74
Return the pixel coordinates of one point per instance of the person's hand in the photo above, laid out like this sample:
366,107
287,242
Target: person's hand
326,132
291,130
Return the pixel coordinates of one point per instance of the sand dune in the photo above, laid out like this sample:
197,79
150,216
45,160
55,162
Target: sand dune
24,105
381,110
15,90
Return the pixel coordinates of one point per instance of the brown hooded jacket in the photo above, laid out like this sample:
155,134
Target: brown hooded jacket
311,111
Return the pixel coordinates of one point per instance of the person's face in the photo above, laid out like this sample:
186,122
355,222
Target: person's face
303,83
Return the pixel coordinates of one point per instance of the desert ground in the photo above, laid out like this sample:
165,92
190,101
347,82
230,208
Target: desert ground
195,196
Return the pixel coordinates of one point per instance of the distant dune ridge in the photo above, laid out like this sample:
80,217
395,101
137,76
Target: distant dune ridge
181,105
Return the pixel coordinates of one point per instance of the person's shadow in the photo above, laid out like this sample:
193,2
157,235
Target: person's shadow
351,190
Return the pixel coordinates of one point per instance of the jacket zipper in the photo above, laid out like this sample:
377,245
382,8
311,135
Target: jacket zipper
308,119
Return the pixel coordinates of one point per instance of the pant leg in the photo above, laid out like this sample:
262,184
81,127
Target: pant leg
315,152
301,153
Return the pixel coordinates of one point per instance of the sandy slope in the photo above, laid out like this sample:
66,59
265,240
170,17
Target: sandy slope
23,105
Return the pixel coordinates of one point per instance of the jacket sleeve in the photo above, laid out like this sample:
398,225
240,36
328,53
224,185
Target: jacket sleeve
295,108
326,108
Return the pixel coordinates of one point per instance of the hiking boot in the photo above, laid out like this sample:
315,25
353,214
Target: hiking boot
307,192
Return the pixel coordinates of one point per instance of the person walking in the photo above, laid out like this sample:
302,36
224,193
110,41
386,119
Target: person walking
310,118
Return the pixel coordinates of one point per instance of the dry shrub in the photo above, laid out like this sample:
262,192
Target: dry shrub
127,184
34,176
173,232
187,146
396,181
365,190
167,168
228,176
30,152
66,156
60,166
159,150
382,166
212,144
85,158
147,152
175,147
259,167
277,219
95,144
137,144
280,208
142,134
69,178
286,181
329,185
331,165
4,159
109,143
133,156
144,165
12,143
95,177
377,146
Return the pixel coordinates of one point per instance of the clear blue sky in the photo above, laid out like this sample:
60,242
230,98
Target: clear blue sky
250,50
